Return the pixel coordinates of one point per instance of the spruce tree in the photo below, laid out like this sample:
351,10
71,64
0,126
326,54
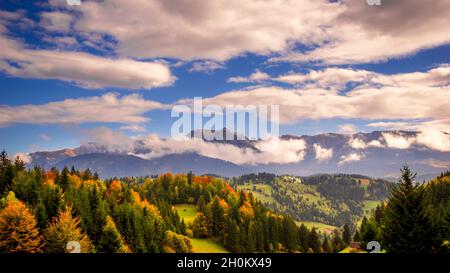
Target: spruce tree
313,241
290,233
250,243
232,235
346,234
337,242
18,228
368,232
111,241
19,164
6,172
303,235
217,219
407,227
357,236
326,245
64,178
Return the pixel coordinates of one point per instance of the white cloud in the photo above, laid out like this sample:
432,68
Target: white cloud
256,76
112,141
357,143
329,78
83,69
323,153
368,103
416,100
347,31
213,30
56,21
351,158
398,141
435,140
375,143
336,78
273,150
206,66
359,33
106,108
348,129
133,128
26,158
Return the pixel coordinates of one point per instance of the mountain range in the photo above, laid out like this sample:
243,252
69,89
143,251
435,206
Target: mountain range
376,154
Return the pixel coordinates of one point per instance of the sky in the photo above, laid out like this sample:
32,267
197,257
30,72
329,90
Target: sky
107,70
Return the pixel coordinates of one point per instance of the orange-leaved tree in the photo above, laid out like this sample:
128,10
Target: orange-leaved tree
18,228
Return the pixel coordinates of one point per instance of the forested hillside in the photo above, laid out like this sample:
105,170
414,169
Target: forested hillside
41,211
330,199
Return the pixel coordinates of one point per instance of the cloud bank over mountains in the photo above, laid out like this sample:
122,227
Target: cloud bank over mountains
288,154
282,150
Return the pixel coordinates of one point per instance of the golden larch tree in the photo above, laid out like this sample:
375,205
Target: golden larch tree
18,228
64,229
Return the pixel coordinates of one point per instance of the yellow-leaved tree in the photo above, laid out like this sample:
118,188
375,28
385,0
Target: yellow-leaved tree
64,229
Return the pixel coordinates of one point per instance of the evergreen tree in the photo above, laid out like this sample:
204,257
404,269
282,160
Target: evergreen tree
111,241
190,177
63,229
326,245
19,164
250,243
378,213
217,219
290,233
73,171
18,228
313,241
303,235
357,236
232,235
182,227
6,172
368,232
346,234
337,242
64,178
87,174
407,228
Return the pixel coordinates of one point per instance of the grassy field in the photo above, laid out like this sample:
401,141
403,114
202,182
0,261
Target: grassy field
262,192
187,212
320,226
369,205
206,246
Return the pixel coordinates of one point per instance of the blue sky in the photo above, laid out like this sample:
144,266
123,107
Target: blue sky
44,42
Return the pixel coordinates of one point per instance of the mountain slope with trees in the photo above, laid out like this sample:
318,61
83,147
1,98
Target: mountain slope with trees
334,199
136,214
